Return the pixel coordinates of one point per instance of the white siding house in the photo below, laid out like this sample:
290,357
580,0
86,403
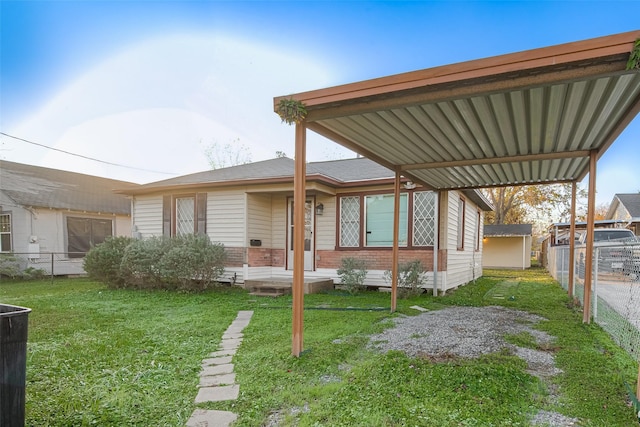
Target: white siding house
49,216
349,212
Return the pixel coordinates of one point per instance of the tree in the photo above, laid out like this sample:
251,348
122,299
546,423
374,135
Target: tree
531,203
280,154
232,154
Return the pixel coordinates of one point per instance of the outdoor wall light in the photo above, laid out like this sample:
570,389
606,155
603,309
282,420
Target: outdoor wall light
410,185
320,209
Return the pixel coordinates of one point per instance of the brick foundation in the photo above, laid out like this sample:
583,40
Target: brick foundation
380,259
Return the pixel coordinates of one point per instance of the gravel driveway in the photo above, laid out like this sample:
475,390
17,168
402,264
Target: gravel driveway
470,332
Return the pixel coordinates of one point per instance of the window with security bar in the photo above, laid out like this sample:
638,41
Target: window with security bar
417,213
350,221
424,223
185,216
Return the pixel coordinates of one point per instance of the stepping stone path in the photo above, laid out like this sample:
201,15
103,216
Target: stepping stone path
217,379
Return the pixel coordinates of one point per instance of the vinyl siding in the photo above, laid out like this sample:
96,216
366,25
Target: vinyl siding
226,217
147,215
279,222
259,216
464,265
326,224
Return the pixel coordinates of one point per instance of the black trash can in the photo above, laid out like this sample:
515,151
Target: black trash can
13,364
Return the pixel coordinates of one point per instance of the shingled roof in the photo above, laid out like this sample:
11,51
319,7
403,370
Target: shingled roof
631,203
34,186
334,173
349,170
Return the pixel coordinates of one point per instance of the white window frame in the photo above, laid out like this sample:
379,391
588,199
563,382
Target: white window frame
5,232
387,231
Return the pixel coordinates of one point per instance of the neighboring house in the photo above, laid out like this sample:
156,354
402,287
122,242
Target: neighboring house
626,207
349,213
507,246
49,215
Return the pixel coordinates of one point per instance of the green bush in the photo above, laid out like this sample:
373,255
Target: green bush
140,267
9,266
192,262
31,273
352,273
184,262
411,278
103,261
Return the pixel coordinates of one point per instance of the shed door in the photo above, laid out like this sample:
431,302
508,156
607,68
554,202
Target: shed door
309,244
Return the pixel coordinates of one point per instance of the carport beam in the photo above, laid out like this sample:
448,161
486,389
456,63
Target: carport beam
572,239
396,230
588,262
299,196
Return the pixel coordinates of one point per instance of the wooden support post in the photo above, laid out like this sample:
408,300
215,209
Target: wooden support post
588,258
395,253
299,199
572,240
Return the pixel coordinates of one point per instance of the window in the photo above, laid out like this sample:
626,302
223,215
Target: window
461,209
84,233
5,232
379,220
350,221
184,214
371,216
424,223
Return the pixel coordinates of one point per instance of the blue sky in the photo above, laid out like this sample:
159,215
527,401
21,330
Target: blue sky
152,84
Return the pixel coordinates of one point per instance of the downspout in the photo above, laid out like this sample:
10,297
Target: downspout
436,243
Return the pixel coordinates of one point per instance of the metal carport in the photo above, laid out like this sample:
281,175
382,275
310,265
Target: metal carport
535,117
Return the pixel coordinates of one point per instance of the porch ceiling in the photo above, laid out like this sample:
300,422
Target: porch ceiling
531,117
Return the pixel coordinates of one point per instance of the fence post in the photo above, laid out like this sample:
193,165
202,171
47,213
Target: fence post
51,267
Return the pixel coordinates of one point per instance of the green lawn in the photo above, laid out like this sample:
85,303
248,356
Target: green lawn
122,357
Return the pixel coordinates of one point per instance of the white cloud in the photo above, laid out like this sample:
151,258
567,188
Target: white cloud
157,104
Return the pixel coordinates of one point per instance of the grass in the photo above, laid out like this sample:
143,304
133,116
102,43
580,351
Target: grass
119,357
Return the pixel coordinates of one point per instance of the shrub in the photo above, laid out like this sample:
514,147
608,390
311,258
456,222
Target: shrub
9,266
103,261
352,273
192,262
31,273
411,278
183,262
140,267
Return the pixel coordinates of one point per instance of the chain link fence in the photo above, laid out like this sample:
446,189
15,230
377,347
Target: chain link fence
49,263
615,287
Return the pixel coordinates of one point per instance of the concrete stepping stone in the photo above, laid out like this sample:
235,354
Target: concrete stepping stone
231,344
218,394
228,335
220,353
217,380
208,371
208,418
222,360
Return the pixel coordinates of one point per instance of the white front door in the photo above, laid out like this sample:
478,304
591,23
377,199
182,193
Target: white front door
309,246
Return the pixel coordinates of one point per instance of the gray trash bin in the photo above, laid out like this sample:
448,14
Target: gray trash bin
13,364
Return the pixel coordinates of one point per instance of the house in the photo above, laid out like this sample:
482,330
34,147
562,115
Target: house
53,217
507,246
348,213
626,207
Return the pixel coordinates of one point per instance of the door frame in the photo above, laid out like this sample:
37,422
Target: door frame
310,255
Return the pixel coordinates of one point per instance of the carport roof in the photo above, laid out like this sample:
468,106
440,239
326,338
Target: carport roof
531,117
